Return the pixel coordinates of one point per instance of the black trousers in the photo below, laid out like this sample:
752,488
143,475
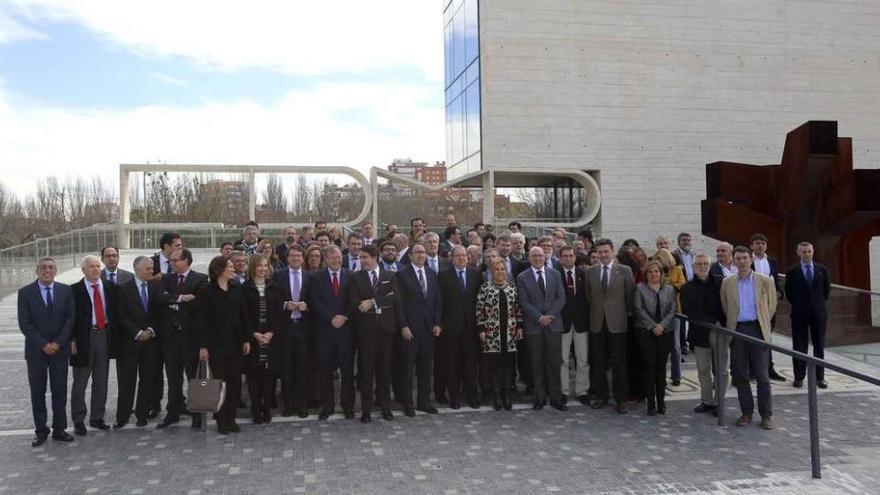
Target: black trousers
294,365
181,361
336,348
441,370
228,368
545,357
523,367
501,370
804,333
260,382
604,347
41,367
134,373
654,353
158,387
416,353
459,360
375,347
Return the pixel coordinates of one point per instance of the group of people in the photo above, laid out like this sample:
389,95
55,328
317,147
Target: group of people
469,316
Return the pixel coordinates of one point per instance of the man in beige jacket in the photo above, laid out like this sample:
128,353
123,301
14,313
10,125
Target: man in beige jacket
749,301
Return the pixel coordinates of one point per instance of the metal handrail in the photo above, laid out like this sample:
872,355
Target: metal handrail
719,333
846,288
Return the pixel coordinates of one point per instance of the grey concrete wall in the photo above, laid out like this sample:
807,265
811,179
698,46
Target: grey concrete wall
648,92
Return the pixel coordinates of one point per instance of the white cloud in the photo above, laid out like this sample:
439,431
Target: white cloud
299,130
12,30
302,37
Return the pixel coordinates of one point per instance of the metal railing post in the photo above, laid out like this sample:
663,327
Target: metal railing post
814,419
718,351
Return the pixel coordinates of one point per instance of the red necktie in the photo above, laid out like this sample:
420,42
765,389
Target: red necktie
569,283
100,318
335,285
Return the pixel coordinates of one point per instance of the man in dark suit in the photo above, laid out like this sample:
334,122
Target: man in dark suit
433,260
92,344
368,233
373,298
168,243
388,261
46,317
141,318
334,331
542,297
350,256
767,265
291,237
459,286
723,266
574,327
807,287
609,289
111,272
420,299
177,337
504,245
294,286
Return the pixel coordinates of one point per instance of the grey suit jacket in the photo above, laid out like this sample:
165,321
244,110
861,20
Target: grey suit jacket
122,276
534,305
645,307
609,307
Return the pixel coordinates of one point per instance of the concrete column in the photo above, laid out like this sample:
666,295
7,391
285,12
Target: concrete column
488,197
252,199
124,217
374,210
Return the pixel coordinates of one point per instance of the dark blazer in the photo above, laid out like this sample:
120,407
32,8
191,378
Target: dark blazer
324,304
346,260
122,276
157,266
808,301
716,273
133,316
82,326
459,314
282,280
387,295
274,320
41,326
420,312
534,305
221,319
701,302
180,317
574,312
774,272
442,264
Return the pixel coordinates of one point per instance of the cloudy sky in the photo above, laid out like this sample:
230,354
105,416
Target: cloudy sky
86,85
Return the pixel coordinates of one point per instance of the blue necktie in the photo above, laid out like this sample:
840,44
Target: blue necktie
144,296
49,302
463,282
809,269
112,276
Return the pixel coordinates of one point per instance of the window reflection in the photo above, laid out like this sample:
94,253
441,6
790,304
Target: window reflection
461,49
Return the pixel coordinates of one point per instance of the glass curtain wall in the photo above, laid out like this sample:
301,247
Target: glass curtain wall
461,52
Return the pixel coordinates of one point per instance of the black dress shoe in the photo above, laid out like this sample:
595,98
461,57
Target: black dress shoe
166,421
558,406
473,404
349,415
455,405
99,424
676,383
79,428
538,405
409,412
703,407
386,415
141,422
153,413
598,404
584,399
196,421
323,416
506,402
119,425
267,416
234,428
287,412
39,440
821,384
496,402
776,377
365,418
564,398
62,436
797,383
304,413
428,408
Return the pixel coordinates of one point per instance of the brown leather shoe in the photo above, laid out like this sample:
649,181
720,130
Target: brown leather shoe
767,422
744,420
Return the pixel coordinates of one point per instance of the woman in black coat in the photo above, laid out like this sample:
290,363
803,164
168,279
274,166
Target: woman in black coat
223,339
262,303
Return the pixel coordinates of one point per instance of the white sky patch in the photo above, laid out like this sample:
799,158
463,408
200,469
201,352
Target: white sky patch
301,129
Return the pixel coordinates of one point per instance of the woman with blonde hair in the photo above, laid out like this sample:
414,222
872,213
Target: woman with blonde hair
335,234
654,314
674,276
267,249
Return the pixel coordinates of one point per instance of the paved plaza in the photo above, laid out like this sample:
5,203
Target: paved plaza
465,451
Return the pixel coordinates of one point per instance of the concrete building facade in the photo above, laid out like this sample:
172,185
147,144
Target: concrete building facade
642,94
